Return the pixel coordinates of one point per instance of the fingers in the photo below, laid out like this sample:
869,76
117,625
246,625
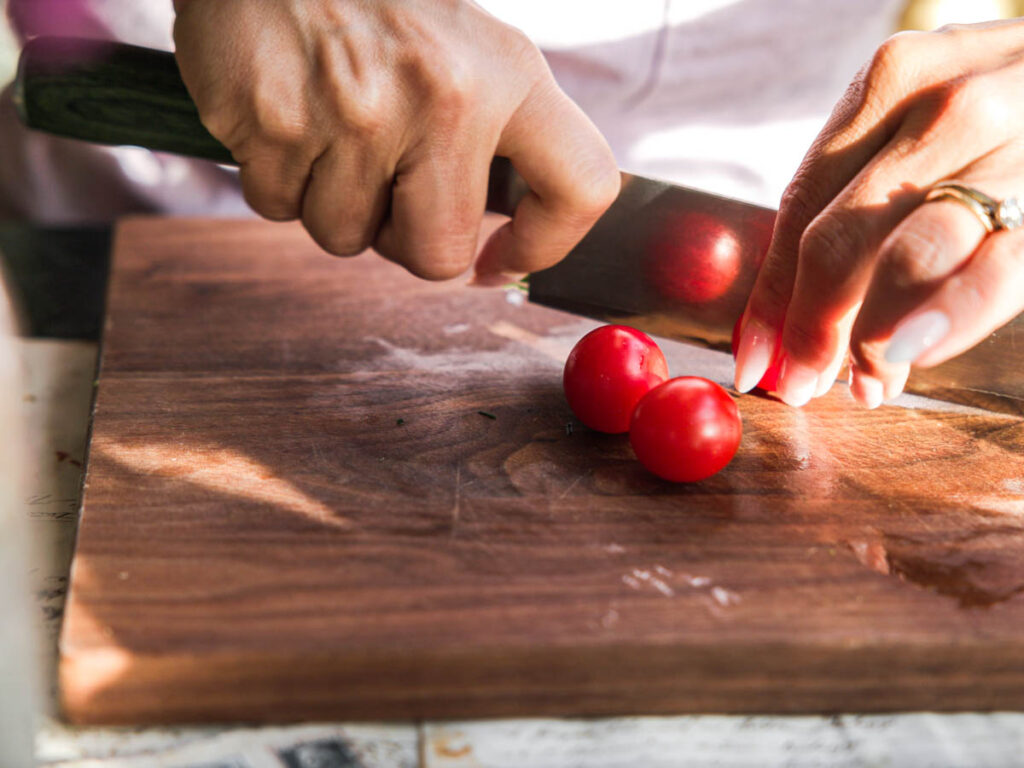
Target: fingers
900,128
839,251
928,247
346,199
924,311
941,284
572,176
982,297
437,203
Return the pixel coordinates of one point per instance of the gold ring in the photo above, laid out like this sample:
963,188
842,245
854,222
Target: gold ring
993,214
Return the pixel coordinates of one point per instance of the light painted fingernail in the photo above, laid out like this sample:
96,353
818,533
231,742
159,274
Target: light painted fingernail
797,383
866,390
916,335
828,378
494,279
825,382
895,385
753,355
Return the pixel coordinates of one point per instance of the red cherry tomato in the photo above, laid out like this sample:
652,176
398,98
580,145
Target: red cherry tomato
694,259
770,380
686,429
607,373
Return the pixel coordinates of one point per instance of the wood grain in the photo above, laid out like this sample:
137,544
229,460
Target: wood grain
293,509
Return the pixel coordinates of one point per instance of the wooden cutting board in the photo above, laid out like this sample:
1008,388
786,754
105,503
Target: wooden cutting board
295,508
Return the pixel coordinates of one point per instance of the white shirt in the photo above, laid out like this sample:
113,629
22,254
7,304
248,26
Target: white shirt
722,95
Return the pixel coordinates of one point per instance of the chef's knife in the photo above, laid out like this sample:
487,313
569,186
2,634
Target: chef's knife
673,261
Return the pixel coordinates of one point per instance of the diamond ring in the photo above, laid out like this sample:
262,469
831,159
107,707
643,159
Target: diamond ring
993,214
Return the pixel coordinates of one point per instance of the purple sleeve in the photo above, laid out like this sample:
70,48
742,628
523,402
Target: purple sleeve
78,18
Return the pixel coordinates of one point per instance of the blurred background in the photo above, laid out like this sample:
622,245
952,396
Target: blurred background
8,50
919,14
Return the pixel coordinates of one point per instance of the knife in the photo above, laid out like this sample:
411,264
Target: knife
672,261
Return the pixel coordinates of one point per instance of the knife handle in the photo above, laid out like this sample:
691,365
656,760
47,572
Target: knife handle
113,93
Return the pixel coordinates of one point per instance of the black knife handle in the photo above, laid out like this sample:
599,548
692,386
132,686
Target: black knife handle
112,93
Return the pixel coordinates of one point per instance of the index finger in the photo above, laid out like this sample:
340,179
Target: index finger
572,176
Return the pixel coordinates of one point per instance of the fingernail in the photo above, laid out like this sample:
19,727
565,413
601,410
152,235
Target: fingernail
494,279
915,335
896,384
753,355
866,390
828,378
797,383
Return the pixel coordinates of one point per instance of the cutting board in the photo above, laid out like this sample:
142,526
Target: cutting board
320,488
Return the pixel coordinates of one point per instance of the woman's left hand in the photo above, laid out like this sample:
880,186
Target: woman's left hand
860,260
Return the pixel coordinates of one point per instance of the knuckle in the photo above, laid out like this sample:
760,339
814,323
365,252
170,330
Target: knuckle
979,99
447,82
914,257
810,342
359,104
890,58
600,184
798,205
868,352
832,241
774,289
452,90
275,114
953,32
975,298
589,189
522,52
278,124
365,116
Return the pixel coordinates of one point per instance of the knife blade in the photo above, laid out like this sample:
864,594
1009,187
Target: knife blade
673,261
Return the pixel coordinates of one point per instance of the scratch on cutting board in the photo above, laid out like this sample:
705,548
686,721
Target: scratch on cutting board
667,582
456,506
555,347
724,597
570,486
640,576
459,361
610,618
630,581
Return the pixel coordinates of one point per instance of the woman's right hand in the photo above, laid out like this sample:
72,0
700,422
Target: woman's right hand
375,122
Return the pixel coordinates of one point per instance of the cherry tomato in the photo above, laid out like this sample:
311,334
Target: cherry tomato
694,258
607,373
686,429
770,380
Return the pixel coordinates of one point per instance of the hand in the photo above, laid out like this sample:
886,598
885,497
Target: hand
375,122
859,260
